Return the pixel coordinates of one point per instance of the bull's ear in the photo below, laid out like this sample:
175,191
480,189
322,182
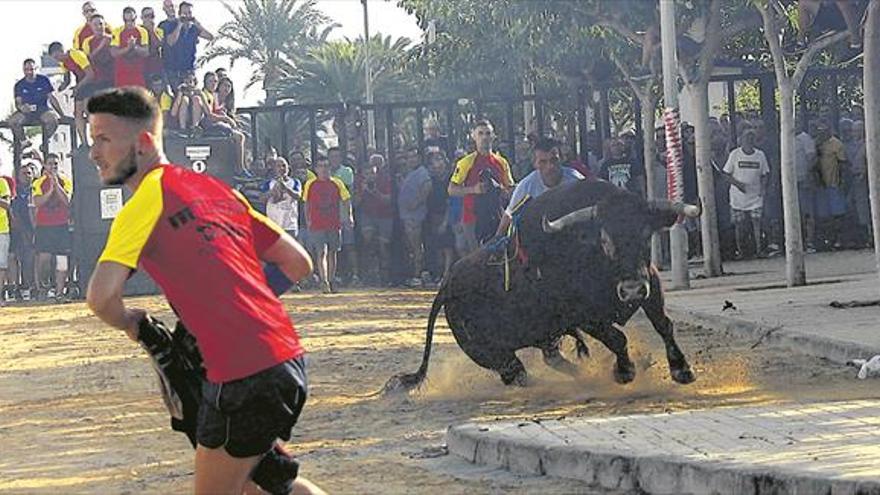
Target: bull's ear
662,219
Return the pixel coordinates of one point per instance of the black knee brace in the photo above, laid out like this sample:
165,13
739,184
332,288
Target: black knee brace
276,472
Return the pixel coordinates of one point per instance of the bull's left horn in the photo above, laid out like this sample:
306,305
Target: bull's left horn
561,223
688,210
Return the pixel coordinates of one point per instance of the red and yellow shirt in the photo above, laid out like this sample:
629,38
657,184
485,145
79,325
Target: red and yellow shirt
54,212
82,33
102,61
201,242
322,198
77,62
467,173
130,68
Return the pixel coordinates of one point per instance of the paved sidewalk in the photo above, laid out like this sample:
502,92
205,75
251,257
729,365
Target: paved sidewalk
800,316
800,448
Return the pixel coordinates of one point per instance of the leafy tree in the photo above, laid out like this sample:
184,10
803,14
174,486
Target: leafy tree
272,35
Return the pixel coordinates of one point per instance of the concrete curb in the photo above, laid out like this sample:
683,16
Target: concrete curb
839,351
630,472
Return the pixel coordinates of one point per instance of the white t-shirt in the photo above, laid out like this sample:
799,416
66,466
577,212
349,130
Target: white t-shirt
804,155
748,169
534,186
285,212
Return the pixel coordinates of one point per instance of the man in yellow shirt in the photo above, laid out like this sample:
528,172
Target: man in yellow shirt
5,201
830,198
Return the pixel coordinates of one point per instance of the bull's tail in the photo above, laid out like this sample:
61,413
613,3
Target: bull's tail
407,382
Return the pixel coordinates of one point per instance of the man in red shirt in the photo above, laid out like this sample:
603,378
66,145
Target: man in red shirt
97,47
51,193
130,48
203,244
153,64
77,63
325,198
375,215
483,180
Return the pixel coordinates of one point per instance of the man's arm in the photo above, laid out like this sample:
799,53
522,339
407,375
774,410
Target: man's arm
174,35
203,33
104,298
65,82
21,106
55,104
461,190
4,202
345,208
290,257
43,198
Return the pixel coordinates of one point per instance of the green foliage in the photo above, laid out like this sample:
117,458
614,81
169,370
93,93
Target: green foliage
335,72
272,35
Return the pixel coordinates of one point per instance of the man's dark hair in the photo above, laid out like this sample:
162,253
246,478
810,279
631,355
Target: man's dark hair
321,158
129,9
95,16
53,155
182,5
546,144
481,123
55,46
131,103
29,61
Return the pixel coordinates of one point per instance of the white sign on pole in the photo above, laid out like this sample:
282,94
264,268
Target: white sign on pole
111,202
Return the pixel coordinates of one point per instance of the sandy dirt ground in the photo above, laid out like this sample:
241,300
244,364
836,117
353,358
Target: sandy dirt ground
80,413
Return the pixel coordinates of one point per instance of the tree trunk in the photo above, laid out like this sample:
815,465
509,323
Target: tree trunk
795,272
706,181
649,150
529,114
872,116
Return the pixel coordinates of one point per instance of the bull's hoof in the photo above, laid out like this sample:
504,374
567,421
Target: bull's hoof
624,374
520,379
683,375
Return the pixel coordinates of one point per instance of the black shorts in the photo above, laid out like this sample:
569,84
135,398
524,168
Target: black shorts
247,416
53,239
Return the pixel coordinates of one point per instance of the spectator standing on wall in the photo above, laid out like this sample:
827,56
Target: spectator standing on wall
181,36
130,48
153,63
97,47
76,62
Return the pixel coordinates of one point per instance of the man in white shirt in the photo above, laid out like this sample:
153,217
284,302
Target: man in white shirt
282,206
747,171
805,166
547,175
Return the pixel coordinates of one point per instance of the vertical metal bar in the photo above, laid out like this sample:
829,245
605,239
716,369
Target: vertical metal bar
451,120
835,102
420,132
284,147
583,152
640,131
313,135
510,130
342,138
731,109
255,138
605,114
389,143
539,114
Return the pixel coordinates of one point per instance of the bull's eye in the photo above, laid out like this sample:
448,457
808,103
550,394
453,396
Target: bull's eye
607,244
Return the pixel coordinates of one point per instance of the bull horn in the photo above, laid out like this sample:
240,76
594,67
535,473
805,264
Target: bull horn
679,208
561,223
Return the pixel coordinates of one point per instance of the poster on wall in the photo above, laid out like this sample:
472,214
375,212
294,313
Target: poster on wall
111,202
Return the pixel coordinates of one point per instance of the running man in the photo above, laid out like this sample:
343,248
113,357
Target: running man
202,243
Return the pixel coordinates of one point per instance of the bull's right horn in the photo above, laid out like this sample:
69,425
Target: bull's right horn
561,223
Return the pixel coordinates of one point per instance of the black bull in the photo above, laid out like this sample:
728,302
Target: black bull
587,267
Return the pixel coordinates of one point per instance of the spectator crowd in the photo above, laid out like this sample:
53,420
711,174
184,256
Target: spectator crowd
367,223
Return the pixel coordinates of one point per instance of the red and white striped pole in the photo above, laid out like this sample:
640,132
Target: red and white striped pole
678,246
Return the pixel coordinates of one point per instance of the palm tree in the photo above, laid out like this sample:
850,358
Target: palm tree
334,72
273,35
